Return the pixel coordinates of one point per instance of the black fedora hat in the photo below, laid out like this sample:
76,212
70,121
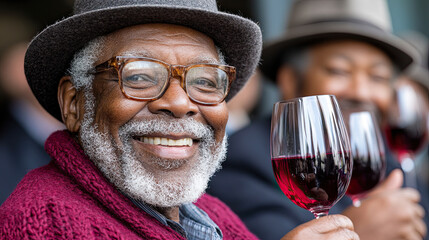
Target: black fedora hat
313,21
50,52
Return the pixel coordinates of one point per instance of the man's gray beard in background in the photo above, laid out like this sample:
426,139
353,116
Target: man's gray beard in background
122,166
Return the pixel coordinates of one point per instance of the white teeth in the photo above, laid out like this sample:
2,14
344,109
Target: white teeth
167,141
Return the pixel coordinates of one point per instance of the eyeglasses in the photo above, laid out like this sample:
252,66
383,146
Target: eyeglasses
146,79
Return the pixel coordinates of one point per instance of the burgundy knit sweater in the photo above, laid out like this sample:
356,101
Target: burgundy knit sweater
70,199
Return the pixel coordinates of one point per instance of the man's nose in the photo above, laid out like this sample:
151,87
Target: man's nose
360,89
175,102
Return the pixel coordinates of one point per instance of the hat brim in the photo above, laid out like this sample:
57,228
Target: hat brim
50,52
400,53
418,74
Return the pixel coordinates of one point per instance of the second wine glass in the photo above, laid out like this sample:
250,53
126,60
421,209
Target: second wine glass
310,152
369,164
407,129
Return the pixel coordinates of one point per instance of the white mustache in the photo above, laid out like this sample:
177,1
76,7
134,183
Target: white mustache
189,127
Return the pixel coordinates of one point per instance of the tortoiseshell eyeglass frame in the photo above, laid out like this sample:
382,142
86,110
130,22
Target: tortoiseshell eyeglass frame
174,71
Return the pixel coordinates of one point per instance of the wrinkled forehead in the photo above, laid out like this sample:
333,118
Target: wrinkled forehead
151,40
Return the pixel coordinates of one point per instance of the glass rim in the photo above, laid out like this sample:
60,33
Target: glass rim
292,100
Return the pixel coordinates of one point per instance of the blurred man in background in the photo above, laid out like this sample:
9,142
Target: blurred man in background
241,106
254,101
339,47
23,121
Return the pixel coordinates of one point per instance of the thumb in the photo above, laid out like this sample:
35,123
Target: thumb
393,181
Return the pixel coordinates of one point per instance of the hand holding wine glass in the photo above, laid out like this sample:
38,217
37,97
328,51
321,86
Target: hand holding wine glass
326,228
310,152
389,203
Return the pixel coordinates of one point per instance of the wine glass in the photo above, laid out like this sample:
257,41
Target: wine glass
310,152
369,163
406,129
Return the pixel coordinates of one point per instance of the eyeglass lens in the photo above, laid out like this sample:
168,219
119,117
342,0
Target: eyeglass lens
147,80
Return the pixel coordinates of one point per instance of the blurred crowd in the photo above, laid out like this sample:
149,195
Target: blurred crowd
24,122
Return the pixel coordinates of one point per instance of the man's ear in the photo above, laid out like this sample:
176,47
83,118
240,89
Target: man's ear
70,106
287,82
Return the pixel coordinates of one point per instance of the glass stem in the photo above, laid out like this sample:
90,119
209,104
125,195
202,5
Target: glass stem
321,214
408,166
356,202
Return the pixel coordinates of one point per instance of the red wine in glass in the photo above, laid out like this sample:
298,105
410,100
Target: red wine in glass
308,182
369,164
406,129
366,176
404,140
310,152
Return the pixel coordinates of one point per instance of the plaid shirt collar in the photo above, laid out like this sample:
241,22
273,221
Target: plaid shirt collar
195,224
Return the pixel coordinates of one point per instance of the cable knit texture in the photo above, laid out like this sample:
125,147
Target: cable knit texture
70,199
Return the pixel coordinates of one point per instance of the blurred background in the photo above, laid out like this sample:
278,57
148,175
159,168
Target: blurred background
272,14
22,19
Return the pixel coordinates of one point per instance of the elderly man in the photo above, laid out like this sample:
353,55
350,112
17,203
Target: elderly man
339,47
141,87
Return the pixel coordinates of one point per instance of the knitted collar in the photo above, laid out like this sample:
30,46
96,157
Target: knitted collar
69,156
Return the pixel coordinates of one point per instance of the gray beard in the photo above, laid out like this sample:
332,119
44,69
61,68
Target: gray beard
121,165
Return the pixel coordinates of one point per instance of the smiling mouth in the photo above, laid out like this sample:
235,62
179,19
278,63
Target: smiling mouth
183,142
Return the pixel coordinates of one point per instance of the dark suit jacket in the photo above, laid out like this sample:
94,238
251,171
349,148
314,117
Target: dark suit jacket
247,185
19,153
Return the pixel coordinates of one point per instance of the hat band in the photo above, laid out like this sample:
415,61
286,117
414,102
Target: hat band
343,20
